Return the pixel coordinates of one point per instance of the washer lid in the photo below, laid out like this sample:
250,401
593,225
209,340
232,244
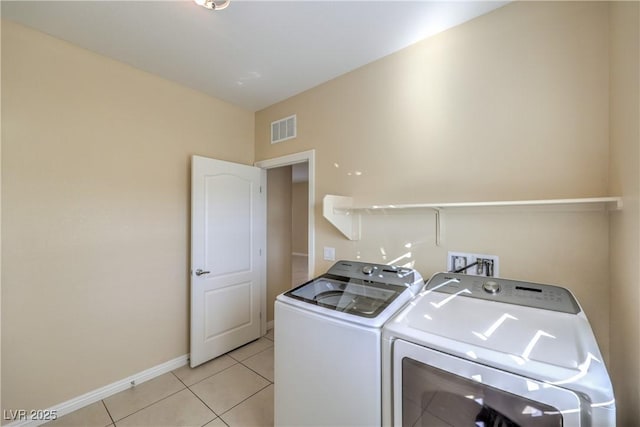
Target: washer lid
364,290
348,295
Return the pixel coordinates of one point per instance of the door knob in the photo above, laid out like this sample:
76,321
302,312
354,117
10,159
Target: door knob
200,272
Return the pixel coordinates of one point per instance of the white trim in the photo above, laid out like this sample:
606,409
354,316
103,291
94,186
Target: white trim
76,403
262,259
287,160
270,324
309,157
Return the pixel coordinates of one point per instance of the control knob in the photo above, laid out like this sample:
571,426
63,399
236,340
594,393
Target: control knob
491,287
368,270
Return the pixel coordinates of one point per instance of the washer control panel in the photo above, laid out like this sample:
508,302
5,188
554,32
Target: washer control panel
528,294
381,273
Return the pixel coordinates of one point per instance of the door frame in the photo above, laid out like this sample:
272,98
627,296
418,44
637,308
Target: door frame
291,159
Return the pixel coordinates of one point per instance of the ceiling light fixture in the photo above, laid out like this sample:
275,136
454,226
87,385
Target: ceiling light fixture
213,4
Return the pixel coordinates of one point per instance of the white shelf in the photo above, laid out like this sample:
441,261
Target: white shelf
345,216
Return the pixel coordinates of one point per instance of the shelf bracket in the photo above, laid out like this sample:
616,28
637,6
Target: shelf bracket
337,210
438,223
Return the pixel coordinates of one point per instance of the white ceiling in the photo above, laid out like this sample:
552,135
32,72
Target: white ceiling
252,54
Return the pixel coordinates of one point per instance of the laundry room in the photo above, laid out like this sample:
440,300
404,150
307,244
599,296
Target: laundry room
514,134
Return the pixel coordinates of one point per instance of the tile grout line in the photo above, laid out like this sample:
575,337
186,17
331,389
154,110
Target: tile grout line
216,418
214,374
113,422
198,397
252,370
244,400
207,406
151,404
238,362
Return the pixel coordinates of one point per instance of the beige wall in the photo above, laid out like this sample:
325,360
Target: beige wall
625,230
511,105
300,217
278,234
95,215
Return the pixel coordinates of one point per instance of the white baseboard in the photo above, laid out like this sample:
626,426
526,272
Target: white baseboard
270,325
76,403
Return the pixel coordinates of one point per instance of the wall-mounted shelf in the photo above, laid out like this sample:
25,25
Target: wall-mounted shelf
345,216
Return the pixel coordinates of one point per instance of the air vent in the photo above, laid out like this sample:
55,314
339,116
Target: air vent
283,129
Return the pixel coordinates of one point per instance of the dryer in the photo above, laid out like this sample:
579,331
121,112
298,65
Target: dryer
328,356
478,351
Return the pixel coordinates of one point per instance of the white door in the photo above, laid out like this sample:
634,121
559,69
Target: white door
228,221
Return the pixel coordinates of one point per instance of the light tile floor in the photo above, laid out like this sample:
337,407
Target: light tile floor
234,390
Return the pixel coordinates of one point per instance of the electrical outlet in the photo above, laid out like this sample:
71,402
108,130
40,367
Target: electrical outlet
329,254
477,264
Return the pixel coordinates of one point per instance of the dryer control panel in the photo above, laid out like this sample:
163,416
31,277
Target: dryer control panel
527,294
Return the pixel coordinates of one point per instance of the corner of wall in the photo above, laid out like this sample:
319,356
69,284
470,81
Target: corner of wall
624,180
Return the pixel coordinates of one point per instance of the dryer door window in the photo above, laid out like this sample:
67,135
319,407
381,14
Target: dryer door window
432,388
433,397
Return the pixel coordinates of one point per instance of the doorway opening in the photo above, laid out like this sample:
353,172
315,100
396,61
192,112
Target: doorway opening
299,223
290,223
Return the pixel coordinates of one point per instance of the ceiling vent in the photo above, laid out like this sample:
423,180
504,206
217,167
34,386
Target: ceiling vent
283,129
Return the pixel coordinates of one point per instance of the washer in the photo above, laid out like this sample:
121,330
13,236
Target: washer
478,351
328,344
